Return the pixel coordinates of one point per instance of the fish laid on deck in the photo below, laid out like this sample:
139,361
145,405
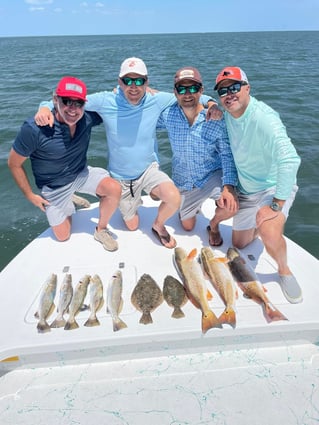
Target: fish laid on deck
66,293
79,295
194,282
221,278
250,285
175,295
96,300
115,300
46,303
146,297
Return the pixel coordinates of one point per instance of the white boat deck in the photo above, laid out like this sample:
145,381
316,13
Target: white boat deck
167,372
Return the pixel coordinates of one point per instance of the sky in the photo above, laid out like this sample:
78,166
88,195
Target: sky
76,17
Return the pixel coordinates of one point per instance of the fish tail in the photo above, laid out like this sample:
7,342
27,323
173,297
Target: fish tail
43,327
272,314
210,320
228,317
178,313
192,254
58,323
71,325
92,321
146,318
118,325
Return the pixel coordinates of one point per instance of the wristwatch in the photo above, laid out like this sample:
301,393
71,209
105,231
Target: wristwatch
275,206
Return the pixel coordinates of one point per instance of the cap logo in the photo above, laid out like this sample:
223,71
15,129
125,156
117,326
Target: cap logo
226,73
132,64
187,73
73,87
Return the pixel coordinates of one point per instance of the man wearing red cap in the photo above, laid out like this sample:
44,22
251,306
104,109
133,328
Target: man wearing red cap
58,157
267,165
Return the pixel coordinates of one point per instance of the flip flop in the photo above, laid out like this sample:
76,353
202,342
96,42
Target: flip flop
215,235
163,239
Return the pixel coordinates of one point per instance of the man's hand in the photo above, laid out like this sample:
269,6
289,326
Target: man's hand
228,199
44,117
38,201
214,112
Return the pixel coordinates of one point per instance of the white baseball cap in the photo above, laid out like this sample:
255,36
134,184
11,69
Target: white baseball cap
133,65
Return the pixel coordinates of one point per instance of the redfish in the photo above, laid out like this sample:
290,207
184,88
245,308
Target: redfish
251,286
221,278
194,282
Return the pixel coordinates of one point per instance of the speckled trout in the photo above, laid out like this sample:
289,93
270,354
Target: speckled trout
115,300
66,293
193,280
250,285
46,303
79,295
221,278
96,300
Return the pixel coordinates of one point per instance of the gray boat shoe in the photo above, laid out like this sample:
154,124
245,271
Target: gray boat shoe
80,202
106,239
290,288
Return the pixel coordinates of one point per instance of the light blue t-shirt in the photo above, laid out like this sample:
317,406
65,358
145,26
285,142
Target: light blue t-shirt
263,153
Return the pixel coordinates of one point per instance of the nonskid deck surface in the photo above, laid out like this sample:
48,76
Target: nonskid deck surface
167,371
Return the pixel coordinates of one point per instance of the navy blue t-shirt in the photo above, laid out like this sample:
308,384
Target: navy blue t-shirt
56,158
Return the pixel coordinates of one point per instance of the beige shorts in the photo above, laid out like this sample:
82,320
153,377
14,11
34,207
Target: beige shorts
132,190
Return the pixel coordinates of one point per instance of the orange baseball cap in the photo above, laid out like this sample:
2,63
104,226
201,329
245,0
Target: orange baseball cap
231,73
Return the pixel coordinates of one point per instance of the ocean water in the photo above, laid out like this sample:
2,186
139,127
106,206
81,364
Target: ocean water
283,69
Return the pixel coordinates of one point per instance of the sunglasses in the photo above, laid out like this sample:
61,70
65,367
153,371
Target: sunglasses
190,89
70,102
234,88
128,81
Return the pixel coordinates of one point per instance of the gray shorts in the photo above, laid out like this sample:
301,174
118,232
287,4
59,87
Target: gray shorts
61,205
245,218
192,200
131,197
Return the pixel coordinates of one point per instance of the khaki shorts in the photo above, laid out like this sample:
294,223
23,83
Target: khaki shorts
61,205
192,200
132,190
245,218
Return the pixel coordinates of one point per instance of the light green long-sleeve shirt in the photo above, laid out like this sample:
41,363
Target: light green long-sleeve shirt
264,154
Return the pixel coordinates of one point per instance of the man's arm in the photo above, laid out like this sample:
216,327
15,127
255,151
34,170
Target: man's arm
15,163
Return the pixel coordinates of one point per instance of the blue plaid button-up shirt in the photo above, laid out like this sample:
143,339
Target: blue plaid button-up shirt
198,150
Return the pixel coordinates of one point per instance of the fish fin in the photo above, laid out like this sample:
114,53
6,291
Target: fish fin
192,254
228,317
52,309
209,295
222,259
118,325
272,314
43,327
178,313
146,318
210,320
92,321
101,304
58,323
71,325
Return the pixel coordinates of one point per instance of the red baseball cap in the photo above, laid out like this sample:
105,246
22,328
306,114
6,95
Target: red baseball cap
71,87
231,73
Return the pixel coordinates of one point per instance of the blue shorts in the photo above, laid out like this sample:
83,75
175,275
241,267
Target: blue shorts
61,205
249,205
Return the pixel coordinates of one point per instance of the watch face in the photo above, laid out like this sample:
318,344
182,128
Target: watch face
275,207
